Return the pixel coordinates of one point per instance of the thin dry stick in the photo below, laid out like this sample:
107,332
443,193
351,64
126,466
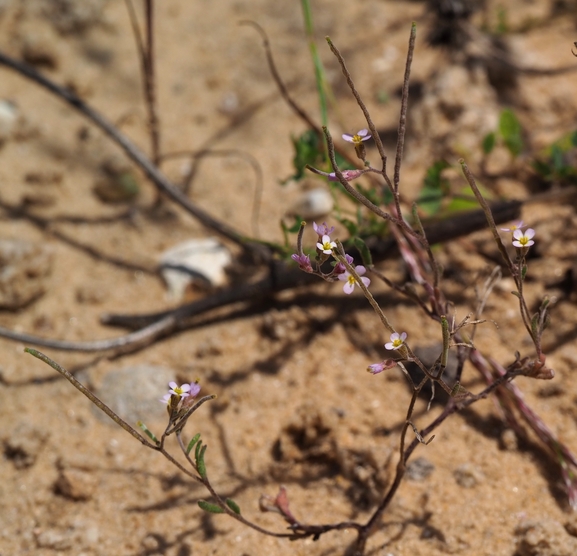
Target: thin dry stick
144,336
404,105
150,84
146,55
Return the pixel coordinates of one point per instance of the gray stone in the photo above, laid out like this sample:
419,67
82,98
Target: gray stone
545,538
23,443
419,469
24,269
133,393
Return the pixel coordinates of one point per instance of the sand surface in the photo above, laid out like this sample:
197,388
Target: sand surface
295,404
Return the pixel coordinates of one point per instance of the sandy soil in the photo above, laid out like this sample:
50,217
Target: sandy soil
73,483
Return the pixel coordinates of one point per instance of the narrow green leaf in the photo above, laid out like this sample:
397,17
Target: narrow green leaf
191,444
434,188
197,450
296,226
210,508
233,506
489,142
148,432
524,272
306,151
364,251
351,226
200,465
510,130
458,391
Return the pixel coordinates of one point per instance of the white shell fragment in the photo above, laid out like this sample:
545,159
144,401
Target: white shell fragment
8,117
313,204
200,260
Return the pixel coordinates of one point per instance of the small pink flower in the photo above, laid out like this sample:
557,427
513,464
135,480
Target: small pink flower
323,229
358,137
194,389
524,239
515,226
350,281
397,340
303,261
182,391
347,174
377,368
326,245
340,267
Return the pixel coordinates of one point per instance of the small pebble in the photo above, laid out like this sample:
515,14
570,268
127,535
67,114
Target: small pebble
23,444
468,476
134,393
313,204
544,538
8,118
509,440
24,271
419,469
75,484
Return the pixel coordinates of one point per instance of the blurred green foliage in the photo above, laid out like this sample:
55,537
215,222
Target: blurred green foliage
558,163
509,131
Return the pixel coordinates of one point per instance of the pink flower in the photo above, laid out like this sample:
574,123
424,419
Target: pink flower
323,229
377,368
340,267
350,281
326,245
182,391
347,174
303,261
524,239
515,226
358,137
397,340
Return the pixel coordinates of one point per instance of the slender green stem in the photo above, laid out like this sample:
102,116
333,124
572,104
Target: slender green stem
320,76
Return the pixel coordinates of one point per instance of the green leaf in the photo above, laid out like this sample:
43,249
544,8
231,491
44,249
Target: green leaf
233,506
351,226
200,465
510,130
191,444
148,432
434,188
388,197
489,142
307,150
364,251
210,508
296,226
524,272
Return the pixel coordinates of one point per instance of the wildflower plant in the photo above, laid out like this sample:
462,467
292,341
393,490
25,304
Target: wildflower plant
333,264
